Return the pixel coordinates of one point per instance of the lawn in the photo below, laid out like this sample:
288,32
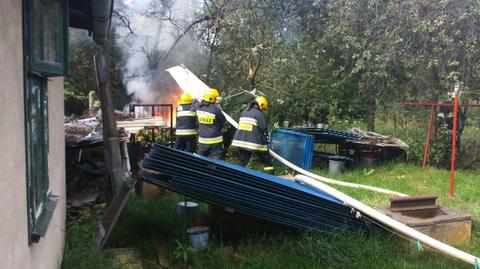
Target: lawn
153,229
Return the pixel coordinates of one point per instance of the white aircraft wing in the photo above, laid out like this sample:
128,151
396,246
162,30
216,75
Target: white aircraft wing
188,81
193,85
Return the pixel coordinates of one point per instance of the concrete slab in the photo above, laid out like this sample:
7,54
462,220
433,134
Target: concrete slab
450,226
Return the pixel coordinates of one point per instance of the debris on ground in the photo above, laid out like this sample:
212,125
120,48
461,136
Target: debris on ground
126,258
380,140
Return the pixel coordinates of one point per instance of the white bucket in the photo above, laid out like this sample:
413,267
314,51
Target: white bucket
198,236
188,209
335,167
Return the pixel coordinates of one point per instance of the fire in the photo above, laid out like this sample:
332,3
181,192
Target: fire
173,98
170,98
160,109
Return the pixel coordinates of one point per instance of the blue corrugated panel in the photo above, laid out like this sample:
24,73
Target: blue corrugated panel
248,191
295,147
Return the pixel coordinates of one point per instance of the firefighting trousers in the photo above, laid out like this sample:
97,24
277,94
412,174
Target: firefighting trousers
186,143
265,158
214,151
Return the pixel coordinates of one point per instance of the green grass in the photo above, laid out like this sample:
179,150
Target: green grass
153,222
80,248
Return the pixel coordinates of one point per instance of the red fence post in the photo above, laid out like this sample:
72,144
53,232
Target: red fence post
454,143
427,141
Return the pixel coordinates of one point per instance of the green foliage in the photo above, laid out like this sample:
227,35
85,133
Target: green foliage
148,221
80,247
82,78
323,62
159,135
184,252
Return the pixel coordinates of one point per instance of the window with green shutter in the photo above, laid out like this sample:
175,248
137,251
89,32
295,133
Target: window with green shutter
45,56
47,22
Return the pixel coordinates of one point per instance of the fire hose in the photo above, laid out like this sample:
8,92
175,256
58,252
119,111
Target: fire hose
312,180
387,221
317,177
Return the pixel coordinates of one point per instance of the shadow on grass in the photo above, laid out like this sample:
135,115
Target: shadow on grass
152,227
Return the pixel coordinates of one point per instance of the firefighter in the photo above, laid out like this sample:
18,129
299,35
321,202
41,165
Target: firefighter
186,132
210,123
251,135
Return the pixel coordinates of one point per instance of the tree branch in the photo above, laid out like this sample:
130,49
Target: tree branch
165,57
124,19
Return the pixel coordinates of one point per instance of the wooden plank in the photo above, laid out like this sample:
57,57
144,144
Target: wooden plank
112,213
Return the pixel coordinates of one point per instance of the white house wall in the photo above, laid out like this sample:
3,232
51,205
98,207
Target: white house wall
14,249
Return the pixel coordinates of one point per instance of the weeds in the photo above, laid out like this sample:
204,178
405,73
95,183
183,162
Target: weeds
152,222
80,246
184,252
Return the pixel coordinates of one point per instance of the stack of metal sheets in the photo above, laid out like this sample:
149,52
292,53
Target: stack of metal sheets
248,191
326,135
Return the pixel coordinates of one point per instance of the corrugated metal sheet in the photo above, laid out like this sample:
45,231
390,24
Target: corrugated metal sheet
322,134
248,191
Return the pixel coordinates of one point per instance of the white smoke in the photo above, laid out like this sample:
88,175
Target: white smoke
156,24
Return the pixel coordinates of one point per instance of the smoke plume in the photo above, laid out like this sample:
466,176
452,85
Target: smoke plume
146,30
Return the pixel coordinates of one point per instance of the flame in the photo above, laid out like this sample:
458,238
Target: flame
163,113
170,98
174,97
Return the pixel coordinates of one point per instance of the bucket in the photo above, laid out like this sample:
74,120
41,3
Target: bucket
187,209
322,125
198,236
335,167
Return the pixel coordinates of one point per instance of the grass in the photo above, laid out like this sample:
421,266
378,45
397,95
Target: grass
151,223
80,248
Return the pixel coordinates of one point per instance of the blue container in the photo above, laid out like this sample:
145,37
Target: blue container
295,147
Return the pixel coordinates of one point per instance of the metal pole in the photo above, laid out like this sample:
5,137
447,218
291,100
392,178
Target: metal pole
111,144
454,143
427,141
171,125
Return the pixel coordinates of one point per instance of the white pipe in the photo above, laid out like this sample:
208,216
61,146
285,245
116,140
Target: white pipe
230,120
331,181
400,227
317,177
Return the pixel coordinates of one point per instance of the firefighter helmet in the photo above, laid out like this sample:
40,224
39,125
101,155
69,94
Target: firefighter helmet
185,98
262,102
211,95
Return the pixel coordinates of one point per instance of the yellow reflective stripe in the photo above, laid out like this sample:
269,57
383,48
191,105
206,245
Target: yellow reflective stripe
268,168
245,126
205,113
249,145
186,132
205,117
186,114
210,140
248,120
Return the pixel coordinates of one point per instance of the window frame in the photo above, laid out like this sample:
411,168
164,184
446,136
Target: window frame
41,203
39,196
47,69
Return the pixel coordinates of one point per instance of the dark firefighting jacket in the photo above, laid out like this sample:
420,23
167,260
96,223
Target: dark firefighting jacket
210,123
186,120
251,131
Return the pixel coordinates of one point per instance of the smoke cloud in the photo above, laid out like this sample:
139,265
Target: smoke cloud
146,31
